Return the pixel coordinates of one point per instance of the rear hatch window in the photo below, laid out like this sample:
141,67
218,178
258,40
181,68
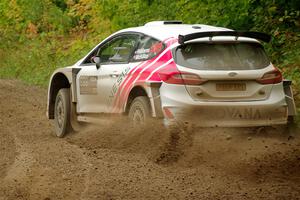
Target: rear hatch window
222,56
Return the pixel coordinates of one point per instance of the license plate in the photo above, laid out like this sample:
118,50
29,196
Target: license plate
230,86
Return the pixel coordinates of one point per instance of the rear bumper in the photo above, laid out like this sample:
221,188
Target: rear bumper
179,107
225,116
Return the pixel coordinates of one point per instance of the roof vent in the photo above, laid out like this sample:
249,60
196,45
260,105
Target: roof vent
157,23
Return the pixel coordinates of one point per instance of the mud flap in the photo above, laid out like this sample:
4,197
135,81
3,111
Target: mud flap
287,86
75,124
75,71
155,100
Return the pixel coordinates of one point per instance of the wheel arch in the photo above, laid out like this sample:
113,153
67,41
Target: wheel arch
135,92
58,80
150,90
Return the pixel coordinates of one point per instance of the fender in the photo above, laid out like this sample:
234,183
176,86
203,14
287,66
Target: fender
67,76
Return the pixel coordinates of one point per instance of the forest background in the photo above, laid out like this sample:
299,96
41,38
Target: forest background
37,36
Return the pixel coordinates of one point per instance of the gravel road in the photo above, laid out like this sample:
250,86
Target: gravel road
113,161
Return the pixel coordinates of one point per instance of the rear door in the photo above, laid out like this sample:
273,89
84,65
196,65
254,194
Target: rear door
96,87
229,70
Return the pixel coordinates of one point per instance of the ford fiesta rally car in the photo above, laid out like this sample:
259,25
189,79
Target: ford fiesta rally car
190,74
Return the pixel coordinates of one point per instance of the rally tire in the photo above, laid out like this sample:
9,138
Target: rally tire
62,112
140,111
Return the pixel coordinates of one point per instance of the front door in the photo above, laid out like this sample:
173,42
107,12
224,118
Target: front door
96,87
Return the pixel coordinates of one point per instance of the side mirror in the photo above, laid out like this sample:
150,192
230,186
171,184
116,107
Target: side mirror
97,61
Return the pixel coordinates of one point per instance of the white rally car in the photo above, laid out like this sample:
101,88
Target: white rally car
190,74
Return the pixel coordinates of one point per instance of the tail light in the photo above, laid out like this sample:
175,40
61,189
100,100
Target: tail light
181,78
271,77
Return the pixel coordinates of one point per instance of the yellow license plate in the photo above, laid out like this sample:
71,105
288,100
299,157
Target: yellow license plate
230,86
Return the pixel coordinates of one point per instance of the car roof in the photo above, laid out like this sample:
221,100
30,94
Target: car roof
161,31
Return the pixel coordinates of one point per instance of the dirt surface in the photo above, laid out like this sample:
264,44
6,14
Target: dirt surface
113,161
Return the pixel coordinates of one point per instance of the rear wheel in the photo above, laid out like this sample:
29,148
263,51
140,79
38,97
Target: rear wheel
140,111
62,112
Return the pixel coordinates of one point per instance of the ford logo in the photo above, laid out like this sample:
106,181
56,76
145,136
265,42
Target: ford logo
232,74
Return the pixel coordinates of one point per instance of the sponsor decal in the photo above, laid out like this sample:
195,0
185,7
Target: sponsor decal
117,84
88,85
156,48
141,54
239,113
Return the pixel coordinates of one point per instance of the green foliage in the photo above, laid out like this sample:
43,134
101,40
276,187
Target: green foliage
35,60
42,16
38,36
60,4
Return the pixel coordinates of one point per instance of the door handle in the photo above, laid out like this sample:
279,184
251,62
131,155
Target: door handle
114,75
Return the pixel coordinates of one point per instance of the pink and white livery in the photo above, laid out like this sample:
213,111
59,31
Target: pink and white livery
185,74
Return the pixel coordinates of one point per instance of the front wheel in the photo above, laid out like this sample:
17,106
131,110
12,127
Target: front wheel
62,112
140,111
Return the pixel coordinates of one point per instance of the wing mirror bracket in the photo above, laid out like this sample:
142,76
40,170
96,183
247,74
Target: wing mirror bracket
97,61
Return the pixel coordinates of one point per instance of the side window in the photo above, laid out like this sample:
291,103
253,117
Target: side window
118,50
147,49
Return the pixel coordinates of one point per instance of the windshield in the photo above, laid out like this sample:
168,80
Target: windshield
222,56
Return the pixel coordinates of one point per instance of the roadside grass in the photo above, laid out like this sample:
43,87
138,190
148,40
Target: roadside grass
34,60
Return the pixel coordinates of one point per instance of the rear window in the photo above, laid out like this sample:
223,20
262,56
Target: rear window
222,56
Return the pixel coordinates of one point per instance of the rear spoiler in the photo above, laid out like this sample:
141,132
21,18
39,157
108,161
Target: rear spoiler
255,35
